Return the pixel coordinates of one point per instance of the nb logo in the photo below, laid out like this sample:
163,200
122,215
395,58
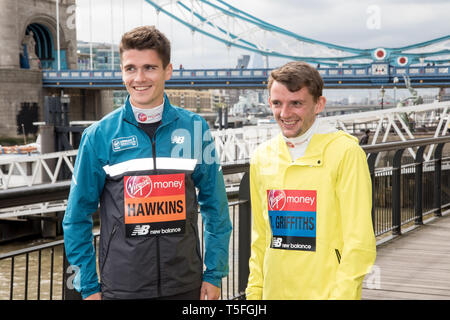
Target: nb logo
178,139
276,242
141,230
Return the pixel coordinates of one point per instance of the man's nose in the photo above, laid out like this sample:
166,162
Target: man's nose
140,75
285,111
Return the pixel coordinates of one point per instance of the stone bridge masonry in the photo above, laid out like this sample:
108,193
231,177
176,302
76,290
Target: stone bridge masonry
28,42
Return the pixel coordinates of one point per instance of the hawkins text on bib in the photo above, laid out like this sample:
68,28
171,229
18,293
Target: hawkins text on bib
292,217
154,205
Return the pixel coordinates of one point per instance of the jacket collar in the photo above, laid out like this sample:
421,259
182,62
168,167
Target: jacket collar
314,155
169,112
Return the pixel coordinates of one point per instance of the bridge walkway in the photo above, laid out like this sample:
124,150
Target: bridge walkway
413,266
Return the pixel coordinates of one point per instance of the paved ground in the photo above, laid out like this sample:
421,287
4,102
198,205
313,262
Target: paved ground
415,265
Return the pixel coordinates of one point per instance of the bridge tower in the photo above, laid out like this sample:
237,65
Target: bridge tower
28,38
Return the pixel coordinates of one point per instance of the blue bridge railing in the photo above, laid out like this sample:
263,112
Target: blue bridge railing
373,75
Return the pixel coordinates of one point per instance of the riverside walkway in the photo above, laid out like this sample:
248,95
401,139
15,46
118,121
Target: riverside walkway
413,266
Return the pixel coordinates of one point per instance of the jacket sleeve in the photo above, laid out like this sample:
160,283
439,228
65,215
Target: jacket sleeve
258,245
86,186
213,201
354,193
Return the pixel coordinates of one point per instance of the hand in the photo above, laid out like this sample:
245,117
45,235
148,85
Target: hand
95,296
209,291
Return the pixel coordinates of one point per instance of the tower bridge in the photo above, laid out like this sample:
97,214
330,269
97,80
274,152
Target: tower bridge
32,37
39,57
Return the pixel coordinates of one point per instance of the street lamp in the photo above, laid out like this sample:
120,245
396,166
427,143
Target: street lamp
382,97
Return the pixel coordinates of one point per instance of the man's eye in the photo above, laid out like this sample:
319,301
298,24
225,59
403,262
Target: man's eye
297,104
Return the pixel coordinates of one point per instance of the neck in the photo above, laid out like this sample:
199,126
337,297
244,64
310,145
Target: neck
151,115
155,104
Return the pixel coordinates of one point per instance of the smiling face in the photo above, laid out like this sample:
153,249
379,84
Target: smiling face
296,111
144,77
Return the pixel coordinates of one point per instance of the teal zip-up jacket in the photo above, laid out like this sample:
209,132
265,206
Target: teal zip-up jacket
149,240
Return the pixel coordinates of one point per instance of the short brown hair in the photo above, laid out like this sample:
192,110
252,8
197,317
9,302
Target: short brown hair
146,37
296,75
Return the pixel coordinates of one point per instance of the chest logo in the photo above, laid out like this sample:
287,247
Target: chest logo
139,186
178,139
124,143
154,205
276,199
293,219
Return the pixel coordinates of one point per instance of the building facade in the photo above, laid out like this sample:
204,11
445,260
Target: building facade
28,38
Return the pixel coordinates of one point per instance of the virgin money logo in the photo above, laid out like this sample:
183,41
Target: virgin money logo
142,117
276,199
138,186
290,144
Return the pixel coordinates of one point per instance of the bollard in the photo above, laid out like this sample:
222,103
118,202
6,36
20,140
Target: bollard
371,159
437,179
47,132
418,185
396,195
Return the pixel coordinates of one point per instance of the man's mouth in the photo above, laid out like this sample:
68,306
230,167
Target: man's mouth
141,88
289,122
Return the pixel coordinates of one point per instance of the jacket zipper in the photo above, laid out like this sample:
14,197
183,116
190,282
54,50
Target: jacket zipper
152,140
338,255
109,244
154,153
157,237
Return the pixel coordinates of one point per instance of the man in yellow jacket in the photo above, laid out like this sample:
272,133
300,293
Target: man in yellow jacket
312,234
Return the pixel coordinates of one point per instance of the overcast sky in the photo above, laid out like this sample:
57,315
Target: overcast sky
354,23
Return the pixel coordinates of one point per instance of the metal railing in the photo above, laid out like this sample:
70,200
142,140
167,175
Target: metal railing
48,168
28,273
433,117
327,73
237,143
403,194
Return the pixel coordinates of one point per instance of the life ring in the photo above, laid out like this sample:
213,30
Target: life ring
17,149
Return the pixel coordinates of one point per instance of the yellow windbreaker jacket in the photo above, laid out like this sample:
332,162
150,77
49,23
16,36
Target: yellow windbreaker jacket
312,234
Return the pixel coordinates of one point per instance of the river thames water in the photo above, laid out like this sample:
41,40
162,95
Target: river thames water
41,285
20,279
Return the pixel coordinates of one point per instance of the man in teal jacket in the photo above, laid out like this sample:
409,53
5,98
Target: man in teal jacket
143,163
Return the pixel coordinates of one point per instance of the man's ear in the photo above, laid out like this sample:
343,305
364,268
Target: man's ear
320,105
270,103
168,70
121,70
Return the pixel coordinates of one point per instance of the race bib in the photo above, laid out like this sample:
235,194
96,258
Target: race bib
154,205
292,216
